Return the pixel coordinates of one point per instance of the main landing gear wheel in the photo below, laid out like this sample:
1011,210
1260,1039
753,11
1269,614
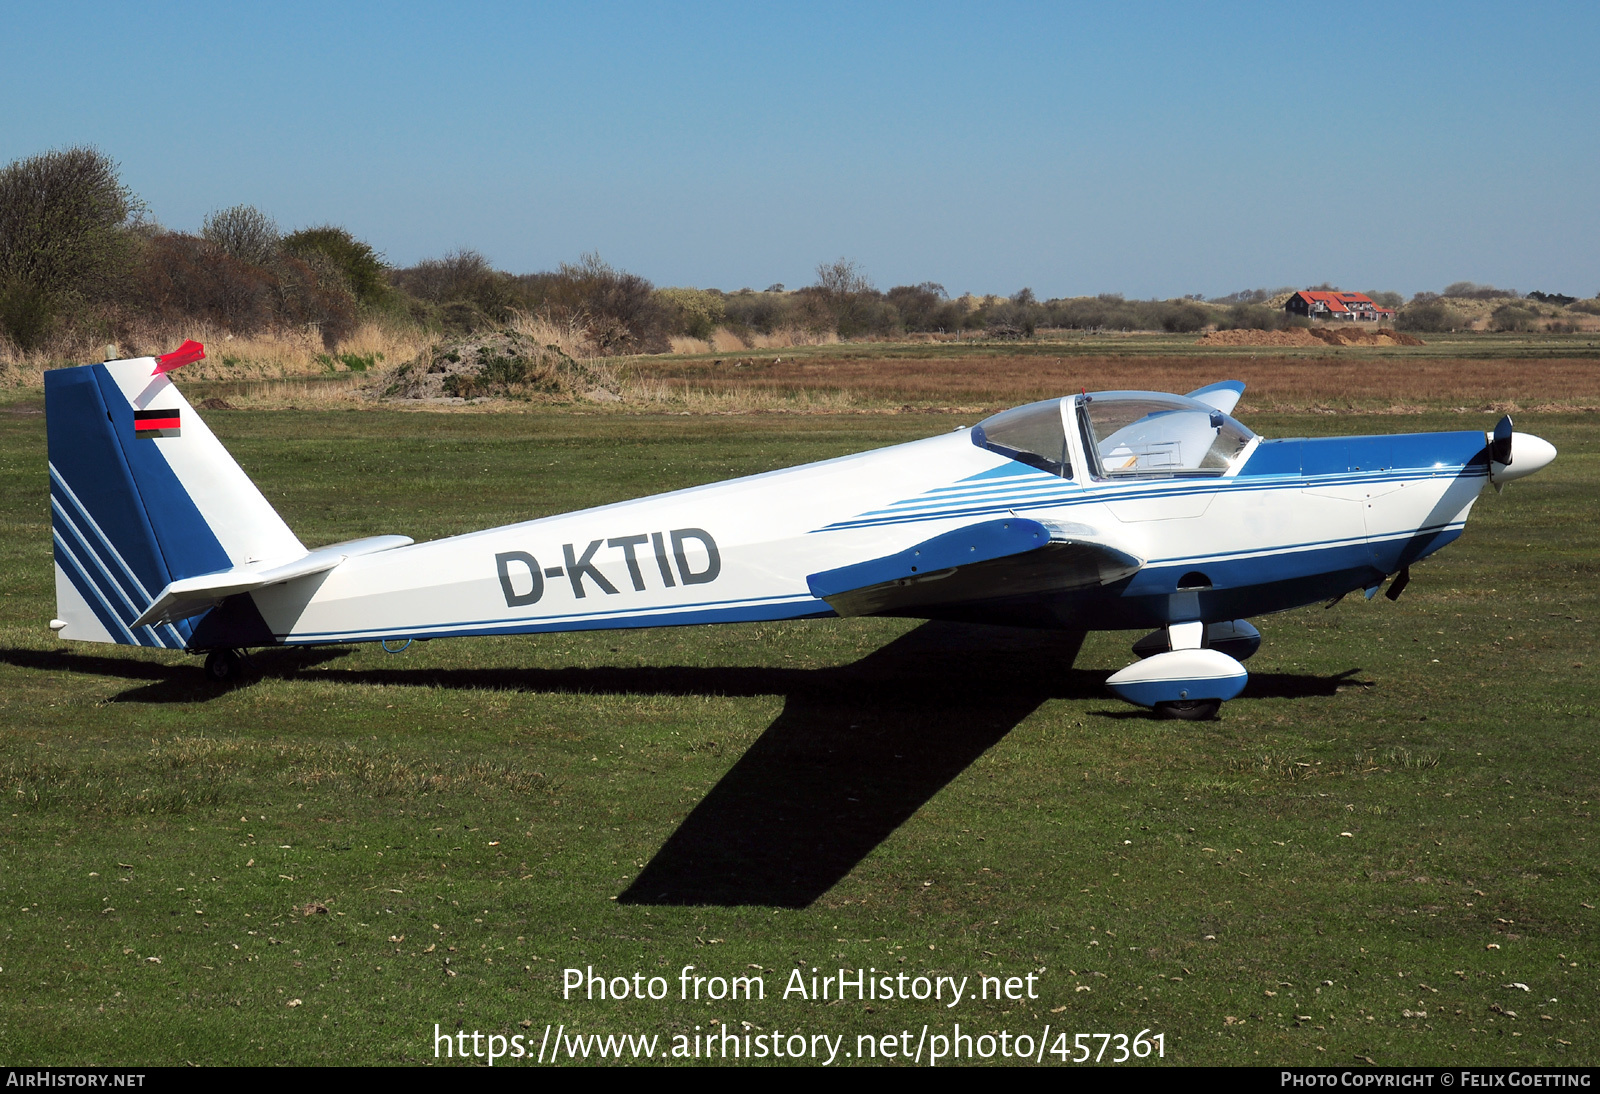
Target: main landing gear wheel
1189,710
223,666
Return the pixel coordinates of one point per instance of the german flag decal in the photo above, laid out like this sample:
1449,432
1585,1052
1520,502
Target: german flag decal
148,423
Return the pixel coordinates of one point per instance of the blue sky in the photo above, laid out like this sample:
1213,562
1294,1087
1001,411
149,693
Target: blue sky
1148,149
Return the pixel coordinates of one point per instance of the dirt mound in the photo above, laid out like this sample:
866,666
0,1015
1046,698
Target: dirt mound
1294,337
1315,336
503,364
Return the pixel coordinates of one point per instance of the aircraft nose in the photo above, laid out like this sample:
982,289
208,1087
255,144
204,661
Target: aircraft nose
1528,454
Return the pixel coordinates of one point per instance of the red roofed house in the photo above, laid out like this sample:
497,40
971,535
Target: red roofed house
1315,304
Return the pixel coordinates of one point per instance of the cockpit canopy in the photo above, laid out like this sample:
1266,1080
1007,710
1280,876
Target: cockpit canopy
1032,434
1125,433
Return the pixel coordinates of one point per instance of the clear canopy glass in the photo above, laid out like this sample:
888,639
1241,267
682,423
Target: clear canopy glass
1032,434
1150,434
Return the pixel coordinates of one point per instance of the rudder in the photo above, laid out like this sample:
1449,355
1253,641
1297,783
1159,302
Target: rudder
142,494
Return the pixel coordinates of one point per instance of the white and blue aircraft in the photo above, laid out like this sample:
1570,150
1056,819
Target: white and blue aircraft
1111,510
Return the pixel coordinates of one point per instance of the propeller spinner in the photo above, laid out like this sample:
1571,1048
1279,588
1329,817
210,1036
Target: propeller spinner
1529,452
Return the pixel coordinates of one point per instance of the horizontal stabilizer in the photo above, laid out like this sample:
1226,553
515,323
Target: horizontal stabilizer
984,561
193,595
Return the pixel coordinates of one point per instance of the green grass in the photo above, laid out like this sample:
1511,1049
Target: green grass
476,816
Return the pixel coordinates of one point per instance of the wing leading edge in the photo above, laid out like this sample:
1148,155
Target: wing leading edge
988,560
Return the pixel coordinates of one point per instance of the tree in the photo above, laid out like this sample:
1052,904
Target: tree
842,278
244,233
65,237
844,291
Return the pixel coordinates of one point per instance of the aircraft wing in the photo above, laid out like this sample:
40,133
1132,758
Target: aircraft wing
988,560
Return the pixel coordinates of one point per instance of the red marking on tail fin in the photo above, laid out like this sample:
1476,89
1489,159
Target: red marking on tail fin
186,354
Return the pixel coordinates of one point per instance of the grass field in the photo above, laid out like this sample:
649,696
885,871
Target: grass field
1467,371
1380,852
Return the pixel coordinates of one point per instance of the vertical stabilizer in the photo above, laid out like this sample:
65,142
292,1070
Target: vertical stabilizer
142,494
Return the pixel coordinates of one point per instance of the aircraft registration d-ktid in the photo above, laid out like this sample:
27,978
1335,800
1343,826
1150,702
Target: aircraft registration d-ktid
1104,511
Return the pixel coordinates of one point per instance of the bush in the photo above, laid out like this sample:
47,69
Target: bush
1426,313
1471,290
1390,300
1244,296
464,317
1587,307
1183,317
925,307
66,237
694,312
184,278
763,312
619,309
362,268
1513,317
1109,311
1017,317
26,313
460,275
1253,317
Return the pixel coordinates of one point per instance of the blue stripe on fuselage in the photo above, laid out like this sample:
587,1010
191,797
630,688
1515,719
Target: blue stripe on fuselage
1274,465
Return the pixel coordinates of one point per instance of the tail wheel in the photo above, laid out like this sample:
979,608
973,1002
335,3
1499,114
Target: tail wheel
1189,710
223,666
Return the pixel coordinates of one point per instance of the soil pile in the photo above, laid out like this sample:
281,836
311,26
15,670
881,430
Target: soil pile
1315,336
500,364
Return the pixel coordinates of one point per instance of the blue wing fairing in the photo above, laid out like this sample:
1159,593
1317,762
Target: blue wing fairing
1401,454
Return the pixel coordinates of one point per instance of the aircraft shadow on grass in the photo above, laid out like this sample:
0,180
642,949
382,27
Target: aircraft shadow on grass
168,682
857,750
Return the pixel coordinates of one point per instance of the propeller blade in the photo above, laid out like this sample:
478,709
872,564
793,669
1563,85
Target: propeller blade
1500,447
1398,585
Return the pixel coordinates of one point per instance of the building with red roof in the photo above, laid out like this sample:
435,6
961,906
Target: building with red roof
1348,306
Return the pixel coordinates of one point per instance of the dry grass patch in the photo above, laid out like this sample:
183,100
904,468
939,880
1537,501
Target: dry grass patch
271,355
995,379
723,340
